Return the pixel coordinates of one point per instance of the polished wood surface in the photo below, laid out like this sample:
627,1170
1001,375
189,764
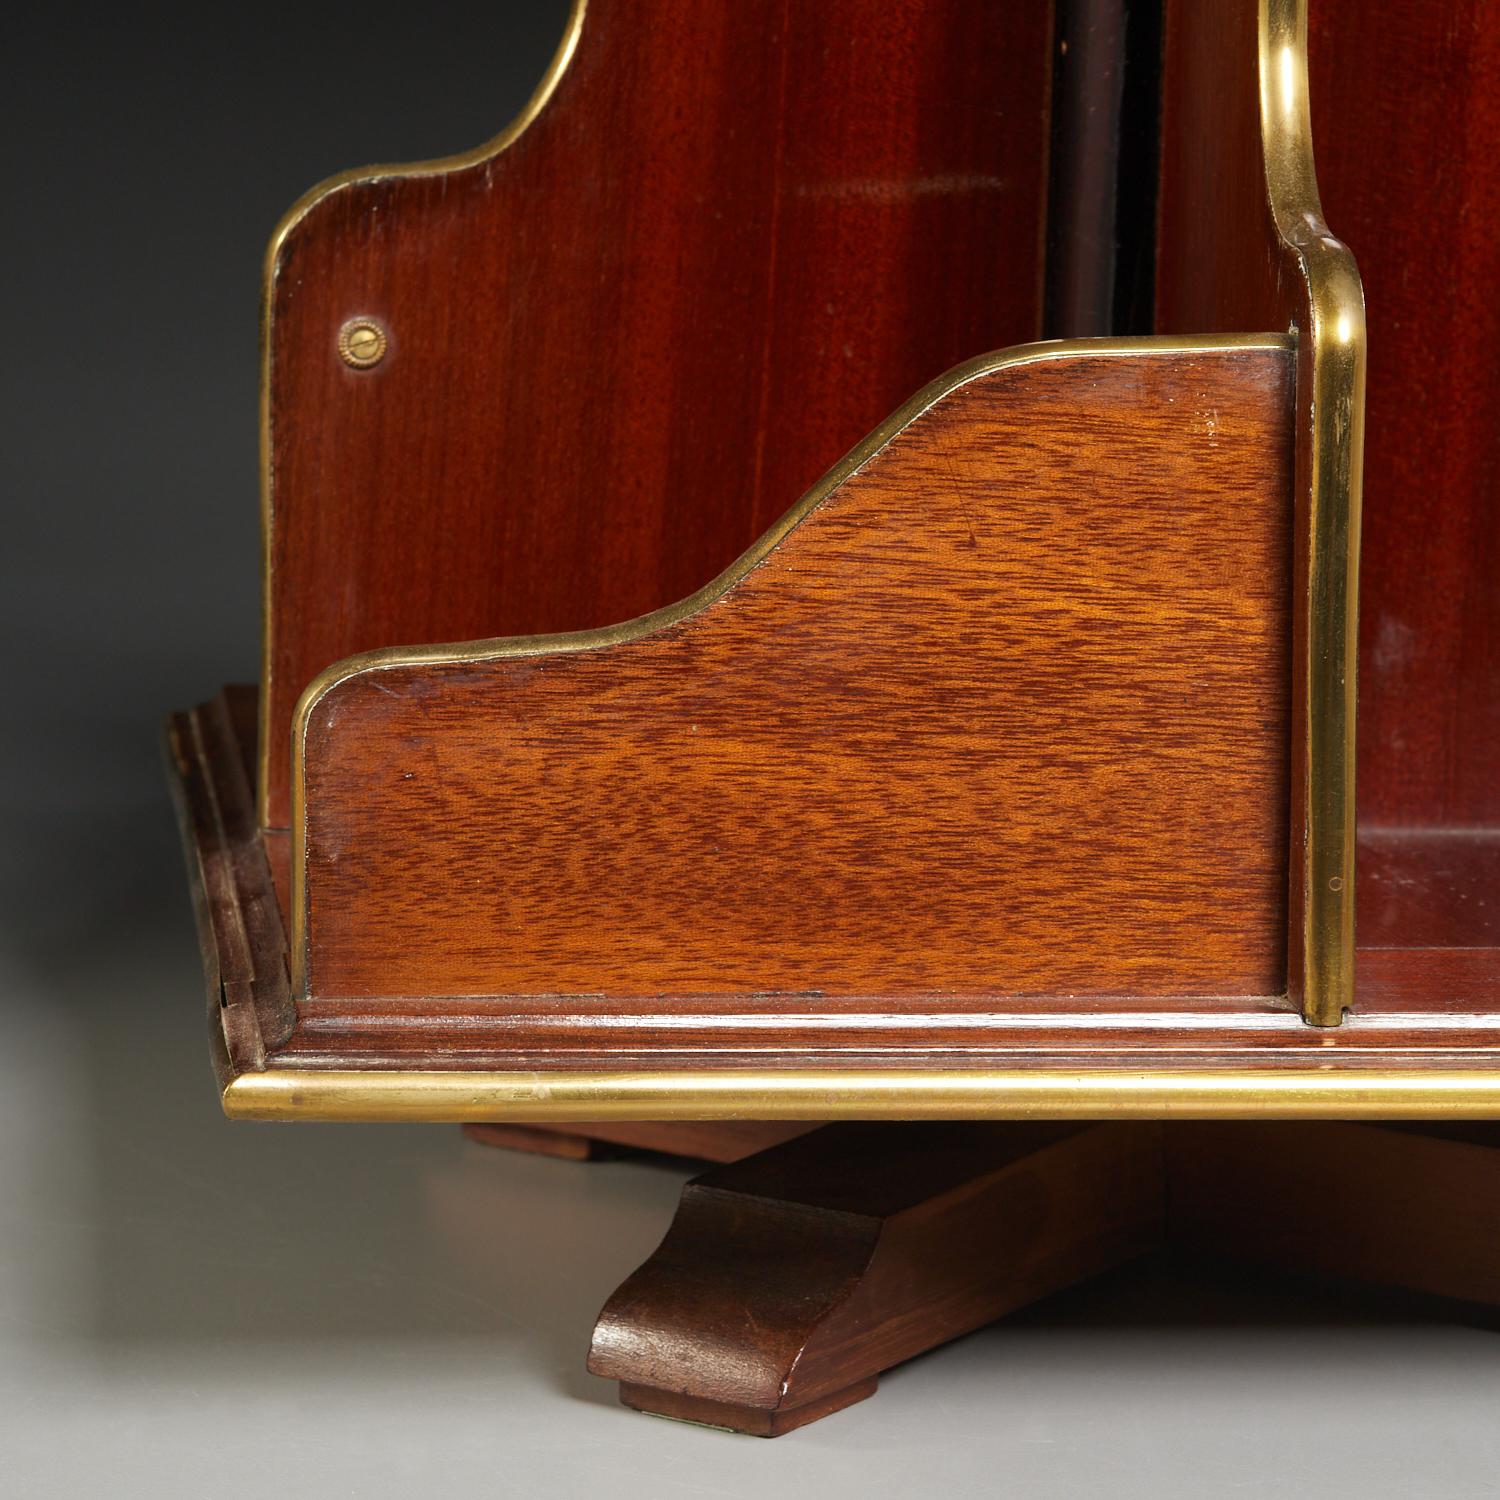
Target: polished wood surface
986,765
1406,106
1219,263
971,729
788,1282
1421,1007
732,242
1229,257
1430,888
998,948
1406,111
241,930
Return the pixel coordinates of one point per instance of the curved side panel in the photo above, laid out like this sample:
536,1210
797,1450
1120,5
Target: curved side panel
269,797
1000,708
733,240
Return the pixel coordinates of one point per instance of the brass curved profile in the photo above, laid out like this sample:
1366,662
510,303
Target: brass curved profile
435,167
1330,450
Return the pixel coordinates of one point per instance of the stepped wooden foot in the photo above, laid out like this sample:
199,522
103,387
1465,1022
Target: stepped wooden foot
790,1280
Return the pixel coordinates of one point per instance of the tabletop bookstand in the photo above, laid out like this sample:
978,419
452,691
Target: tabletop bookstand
1008,776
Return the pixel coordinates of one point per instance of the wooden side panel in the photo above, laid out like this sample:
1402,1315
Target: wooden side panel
733,241
1005,714
240,927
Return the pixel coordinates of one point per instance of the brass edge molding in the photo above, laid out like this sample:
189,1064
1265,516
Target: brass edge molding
510,647
1289,1094
1330,439
434,167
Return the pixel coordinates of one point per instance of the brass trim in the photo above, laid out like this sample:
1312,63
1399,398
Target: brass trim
1330,443
475,652
436,166
1289,1094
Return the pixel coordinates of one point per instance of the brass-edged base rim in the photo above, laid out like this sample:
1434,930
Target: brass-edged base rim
862,1094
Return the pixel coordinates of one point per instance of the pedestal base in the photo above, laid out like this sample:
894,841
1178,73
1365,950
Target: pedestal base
791,1279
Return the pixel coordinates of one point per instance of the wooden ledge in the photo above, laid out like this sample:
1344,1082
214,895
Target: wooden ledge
1427,1047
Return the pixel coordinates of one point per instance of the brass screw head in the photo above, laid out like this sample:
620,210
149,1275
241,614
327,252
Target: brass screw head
362,343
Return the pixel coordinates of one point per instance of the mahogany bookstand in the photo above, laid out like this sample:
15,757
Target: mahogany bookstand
1009,774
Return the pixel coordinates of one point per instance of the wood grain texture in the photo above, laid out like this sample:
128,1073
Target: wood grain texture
1226,254
1005,714
1430,888
1420,1008
1406,110
729,245
789,1281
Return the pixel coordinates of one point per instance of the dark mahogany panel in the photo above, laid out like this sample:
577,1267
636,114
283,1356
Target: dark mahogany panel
1406,110
733,241
1406,119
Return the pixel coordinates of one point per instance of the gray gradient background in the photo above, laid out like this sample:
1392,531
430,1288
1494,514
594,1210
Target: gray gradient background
190,1307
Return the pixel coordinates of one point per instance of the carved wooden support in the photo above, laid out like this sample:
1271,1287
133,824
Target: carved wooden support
789,1281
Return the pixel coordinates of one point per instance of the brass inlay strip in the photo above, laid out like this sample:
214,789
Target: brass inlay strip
1330,448
1289,1094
